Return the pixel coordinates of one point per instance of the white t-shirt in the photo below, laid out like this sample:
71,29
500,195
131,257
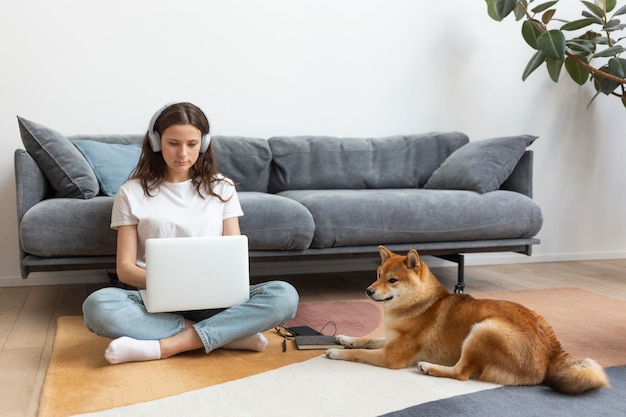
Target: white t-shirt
174,210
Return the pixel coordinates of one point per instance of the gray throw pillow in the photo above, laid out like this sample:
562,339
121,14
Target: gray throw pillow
480,166
65,167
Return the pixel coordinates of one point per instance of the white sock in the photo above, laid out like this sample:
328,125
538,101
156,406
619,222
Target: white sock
256,342
127,349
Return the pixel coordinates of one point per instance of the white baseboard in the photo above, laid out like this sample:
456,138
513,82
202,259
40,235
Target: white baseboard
512,258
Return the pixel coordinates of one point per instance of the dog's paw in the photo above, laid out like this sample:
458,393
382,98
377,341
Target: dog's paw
423,367
333,353
346,341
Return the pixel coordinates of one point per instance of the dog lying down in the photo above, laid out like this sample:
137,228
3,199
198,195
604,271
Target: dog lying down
457,336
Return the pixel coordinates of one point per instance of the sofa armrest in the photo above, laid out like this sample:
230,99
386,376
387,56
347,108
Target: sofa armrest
31,185
521,179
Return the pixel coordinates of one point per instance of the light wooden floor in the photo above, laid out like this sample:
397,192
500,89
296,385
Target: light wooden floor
28,314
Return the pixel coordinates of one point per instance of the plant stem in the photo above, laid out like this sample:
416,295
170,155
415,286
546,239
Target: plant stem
594,70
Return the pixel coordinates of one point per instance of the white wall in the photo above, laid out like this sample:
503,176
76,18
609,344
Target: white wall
344,68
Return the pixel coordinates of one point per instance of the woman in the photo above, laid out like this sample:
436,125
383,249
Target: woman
176,191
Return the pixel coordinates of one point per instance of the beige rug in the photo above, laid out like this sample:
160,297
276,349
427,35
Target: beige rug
80,381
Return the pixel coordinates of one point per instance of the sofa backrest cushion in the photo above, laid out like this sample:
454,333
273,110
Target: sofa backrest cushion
63,165
322,162
244,160
481,166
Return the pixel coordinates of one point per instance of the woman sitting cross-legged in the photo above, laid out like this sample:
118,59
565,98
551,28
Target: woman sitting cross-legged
176,191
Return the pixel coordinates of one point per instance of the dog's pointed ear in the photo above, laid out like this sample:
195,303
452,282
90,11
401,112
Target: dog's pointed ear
412,259
384,254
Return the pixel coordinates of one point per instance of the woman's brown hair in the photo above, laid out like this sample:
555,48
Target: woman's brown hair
151,169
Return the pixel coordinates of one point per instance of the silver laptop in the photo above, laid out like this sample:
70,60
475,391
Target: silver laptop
196,273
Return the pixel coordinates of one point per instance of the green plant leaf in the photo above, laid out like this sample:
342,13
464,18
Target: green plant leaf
581,45
617,67
609,4
545,6
530,32
604,85
614,25
611,51
592,16
577,72
612,22
578,24
596,10
621,10
552,44
519,10
491,10
602,40
505,7
537,59
554,68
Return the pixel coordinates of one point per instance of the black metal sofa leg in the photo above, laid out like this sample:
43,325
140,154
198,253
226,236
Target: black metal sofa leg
459,259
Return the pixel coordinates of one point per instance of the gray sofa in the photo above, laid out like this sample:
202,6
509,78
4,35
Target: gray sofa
311,204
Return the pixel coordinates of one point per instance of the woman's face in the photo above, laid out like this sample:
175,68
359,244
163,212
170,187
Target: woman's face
180,146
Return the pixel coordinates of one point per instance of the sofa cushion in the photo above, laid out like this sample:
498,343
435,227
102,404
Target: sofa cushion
65,167
76,227
272,222
111,162
480,166
314,162
374,217
69,227
244,160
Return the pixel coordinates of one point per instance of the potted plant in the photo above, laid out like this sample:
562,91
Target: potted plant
588,47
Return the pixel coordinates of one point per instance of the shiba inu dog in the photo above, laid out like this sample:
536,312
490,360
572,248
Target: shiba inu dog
457,336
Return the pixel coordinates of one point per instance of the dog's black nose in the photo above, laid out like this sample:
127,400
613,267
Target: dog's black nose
370,291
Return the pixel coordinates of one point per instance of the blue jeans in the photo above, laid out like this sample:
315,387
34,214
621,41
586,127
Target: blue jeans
114,312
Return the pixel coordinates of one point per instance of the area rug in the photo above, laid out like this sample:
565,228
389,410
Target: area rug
298,382
80,380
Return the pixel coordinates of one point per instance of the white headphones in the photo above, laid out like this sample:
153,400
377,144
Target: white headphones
155,138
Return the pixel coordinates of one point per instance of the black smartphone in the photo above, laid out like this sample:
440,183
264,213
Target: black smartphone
303,331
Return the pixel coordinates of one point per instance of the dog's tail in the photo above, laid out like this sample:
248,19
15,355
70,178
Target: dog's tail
571,376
